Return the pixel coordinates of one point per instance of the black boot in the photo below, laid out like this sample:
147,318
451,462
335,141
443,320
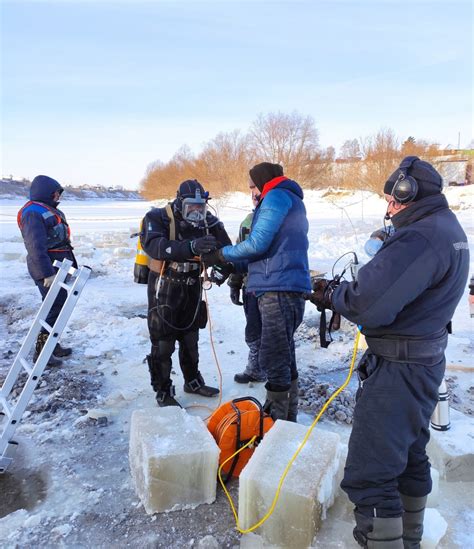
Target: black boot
293,404
197,386
378,533
277,404
161,382
40,342
166,397
61,351
243,377
413,520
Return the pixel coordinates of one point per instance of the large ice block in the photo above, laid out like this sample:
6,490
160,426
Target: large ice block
452,452
308,490
173,459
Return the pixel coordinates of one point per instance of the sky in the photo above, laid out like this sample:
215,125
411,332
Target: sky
93,92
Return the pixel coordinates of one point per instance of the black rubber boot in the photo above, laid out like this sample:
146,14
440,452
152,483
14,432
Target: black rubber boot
378,533
413,520
40,342
293,404
243,377
61,351
277,404
166,398
197,386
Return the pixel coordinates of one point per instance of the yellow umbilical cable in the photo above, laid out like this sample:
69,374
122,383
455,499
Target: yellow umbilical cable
295,455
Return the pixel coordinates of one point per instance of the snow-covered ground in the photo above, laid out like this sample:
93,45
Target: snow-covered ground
69,485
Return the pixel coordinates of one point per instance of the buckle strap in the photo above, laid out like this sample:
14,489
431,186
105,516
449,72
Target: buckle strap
195,384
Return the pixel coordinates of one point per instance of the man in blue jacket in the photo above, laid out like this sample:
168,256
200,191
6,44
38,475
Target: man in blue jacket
404,299
276,253
46,236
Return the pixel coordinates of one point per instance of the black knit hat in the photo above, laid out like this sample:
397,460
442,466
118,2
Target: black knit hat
429,180
188,189
264,172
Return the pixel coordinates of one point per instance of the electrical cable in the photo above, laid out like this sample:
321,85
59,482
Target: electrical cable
295,455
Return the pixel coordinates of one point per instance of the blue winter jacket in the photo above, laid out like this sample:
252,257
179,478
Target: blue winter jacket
411,288
44,229
277,248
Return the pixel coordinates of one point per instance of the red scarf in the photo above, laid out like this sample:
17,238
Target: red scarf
270,185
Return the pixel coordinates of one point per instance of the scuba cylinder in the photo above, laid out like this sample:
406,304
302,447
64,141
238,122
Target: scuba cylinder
233,425
141,268
440,418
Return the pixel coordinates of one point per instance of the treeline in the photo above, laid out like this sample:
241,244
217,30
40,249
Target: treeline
292,140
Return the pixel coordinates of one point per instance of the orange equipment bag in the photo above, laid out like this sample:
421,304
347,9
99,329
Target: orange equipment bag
232,425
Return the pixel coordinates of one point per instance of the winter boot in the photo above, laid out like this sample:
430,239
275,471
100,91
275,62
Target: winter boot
277,404
378,533
413,520
244,377
166,397
40,342
197,386
61,351
293,405
253,372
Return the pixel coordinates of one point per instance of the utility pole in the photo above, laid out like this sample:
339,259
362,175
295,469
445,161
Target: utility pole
459,141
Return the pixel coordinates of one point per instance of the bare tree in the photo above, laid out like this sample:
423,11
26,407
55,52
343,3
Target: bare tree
225,162
382,156
291,140
350,150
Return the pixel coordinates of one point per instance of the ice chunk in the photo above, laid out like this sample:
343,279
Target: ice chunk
434,528
173,459
308,490
452,452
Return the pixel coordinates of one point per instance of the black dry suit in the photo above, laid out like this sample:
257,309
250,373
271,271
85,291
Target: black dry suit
175,307
404,299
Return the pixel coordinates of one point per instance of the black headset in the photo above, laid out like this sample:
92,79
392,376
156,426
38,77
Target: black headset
405,188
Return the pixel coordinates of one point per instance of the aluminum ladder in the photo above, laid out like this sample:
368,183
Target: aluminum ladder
13,412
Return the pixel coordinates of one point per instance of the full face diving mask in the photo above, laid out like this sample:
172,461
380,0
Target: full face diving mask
194,210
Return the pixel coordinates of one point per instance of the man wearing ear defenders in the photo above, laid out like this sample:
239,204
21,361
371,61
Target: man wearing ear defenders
404,299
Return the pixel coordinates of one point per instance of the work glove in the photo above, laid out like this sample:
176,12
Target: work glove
321,295
235,296
220,273
203,245
213,258
48,281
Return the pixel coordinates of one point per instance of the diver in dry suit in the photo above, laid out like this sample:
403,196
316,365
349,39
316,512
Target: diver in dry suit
404,299
176,310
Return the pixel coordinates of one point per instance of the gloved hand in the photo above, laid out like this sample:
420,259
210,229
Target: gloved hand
203,245
235,295
220,273
322,293
48,281
213,258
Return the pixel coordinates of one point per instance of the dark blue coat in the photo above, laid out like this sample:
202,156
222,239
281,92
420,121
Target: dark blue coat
413,284
44,229
277,248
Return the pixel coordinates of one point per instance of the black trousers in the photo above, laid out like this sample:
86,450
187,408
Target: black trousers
57,305
390,432
175,314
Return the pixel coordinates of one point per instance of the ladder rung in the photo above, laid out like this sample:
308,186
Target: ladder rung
25,365
5,406
45,325
65,286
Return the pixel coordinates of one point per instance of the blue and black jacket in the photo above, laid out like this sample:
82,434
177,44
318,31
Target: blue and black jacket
44,229
411,288
276,250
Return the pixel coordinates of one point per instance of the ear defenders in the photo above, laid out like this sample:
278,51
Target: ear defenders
405,188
